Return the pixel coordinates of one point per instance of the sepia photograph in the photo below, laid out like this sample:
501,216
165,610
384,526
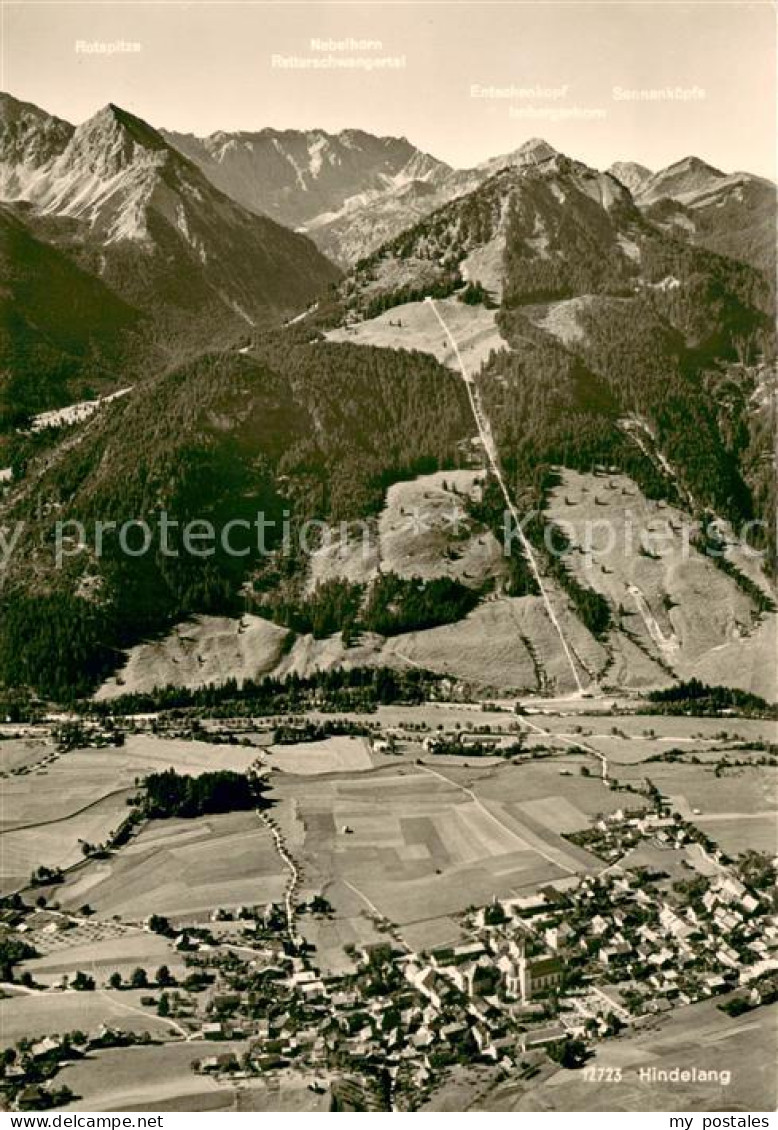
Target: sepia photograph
388,561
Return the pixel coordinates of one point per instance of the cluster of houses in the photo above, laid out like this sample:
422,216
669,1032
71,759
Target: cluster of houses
537,971
28,1070
676,941
574,961
534,972
409,1015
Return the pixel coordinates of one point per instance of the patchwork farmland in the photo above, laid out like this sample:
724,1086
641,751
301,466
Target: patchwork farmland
182,868
333,755
418,848
82,796
368,847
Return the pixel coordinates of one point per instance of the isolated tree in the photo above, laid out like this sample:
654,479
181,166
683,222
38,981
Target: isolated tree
494,914
158,924
320,905
569,1053
7,1058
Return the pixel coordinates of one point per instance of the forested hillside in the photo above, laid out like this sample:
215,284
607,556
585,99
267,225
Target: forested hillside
306,431
64,335
615,345
656,323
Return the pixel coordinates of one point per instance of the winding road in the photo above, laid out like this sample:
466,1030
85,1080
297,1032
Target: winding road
576,743
291,866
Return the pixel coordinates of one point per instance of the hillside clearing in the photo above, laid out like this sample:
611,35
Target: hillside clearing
424,530
412,325
206,649
684,612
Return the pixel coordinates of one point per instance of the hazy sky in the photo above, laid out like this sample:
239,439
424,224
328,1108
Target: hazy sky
207,66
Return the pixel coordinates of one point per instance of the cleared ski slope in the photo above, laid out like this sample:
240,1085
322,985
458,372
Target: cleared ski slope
487,439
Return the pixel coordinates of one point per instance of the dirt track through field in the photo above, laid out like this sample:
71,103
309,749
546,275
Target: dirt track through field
575,743
68,815
550,857
291,866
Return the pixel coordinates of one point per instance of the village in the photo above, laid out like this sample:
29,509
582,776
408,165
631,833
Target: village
538,980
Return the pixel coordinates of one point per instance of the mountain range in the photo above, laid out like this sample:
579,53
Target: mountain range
618,319
352,191
297,176
349,191
121,200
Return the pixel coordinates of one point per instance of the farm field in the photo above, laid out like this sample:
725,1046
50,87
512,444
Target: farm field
289,1094
739,790
182,867
351,924
743,831
659,728
429,715
465,1089
100,948
333,755
416,847
82,795
83,776
42,1014
675,864
566,716
23,753
698,1036
67,786
285,1094
142,1078
552,788
57,844
638,751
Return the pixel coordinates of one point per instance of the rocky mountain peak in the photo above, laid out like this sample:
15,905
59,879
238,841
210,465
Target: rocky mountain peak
114,138
536,149
30,140
681,180
631,174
